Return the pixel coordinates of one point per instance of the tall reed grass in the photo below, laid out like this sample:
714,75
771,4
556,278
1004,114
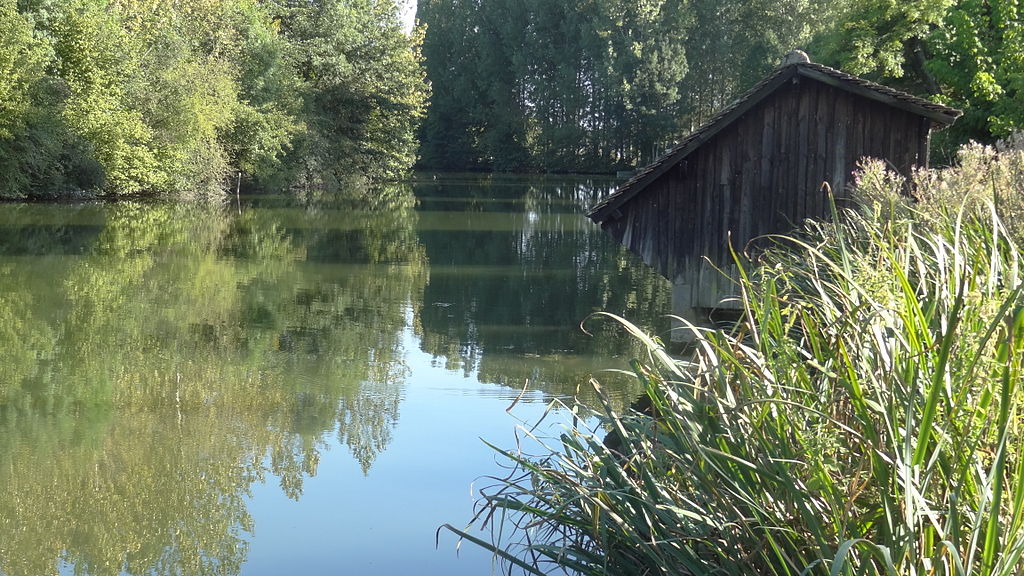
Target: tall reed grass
863,418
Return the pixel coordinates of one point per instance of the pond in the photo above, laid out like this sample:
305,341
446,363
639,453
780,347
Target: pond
291,385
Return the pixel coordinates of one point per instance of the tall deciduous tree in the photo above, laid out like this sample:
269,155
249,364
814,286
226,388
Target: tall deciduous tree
364,89
965,53
977,62
157,96
22,58
449,139
590,85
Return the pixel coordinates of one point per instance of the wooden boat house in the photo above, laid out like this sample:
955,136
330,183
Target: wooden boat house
758,167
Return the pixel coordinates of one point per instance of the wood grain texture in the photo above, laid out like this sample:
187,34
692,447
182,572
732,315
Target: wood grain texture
762,174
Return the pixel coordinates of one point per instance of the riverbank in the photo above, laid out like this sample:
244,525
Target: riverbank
863,418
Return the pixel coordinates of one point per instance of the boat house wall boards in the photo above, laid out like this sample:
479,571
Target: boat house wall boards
759,167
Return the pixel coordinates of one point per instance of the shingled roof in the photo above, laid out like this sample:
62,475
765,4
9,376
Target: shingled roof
940,115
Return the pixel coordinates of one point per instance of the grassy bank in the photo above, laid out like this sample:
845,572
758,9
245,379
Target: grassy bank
865,418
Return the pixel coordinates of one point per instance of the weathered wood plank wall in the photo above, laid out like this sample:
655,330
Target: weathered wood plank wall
762,175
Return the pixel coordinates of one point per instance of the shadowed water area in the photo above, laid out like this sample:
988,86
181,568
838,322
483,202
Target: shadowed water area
290,385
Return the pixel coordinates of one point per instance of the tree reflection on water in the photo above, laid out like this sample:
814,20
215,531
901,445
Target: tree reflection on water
185,354
158,360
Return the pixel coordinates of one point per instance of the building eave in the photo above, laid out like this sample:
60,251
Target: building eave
609,209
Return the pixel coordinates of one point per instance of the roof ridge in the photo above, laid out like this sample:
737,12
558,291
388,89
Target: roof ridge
887,90
938,113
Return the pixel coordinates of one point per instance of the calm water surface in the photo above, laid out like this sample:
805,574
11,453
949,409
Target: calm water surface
298,388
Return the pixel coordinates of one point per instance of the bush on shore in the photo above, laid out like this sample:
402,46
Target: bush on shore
863,418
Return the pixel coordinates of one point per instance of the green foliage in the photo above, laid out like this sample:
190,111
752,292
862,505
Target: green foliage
584,85
97,59
364,90
22,59
964,53
574,85
874,36
733,44
978,63
39,156
556,86
127,97
864,417
449,139
268,115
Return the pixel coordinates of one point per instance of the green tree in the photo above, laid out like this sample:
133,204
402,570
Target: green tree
96,61
127,97
652,63
597,85
964,53
364,89
22,61
449,138
505,121
39,154
268,116
977,61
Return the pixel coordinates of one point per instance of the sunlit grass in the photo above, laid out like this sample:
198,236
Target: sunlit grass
864,418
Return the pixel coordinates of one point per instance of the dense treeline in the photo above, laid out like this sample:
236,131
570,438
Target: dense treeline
598,85
155,96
